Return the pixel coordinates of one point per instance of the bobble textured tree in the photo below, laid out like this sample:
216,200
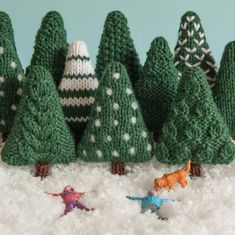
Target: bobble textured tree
39,134
116,131
51,45
224,89
192,49
117,45
194,128
157,89
78,87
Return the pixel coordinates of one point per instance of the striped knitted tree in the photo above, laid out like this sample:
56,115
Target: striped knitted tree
156,90
51,45
78,87
117,45
39,133
224,89
192,49
116,131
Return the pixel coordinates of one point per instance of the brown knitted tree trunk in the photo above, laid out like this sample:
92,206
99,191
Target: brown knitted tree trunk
156,136
118,168
42,169
4,136
196,170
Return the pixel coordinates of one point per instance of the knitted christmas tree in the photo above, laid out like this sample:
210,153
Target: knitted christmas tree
39,133
194,128
116,131
157,89
192,49
11,79
224,89
78,87
117,45
51,45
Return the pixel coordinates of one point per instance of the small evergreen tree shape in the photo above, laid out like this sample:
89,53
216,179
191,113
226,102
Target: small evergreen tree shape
156,90
39,133
194,128
192,49
117,45
115,131
224,89
78,87
51,45
11,83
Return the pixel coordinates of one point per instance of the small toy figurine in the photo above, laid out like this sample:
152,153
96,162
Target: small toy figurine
71,199
169,180
151,202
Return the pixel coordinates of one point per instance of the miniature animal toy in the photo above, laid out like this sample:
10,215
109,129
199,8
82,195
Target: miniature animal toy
169,180
71,199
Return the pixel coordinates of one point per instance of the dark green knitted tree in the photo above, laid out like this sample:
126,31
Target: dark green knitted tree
51,45
192,49
194,128
115,131
39,133
156,90
224,90
117,45
11,79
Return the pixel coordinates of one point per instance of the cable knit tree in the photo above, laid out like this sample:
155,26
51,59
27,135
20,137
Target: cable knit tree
78,87
192,49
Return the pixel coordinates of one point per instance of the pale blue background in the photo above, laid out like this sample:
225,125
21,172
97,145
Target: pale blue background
84,20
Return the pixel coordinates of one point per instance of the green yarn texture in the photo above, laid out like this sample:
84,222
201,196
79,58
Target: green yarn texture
224,90
51,45
192,49
117,45
116,130
156,90
39,132
11,83
194,128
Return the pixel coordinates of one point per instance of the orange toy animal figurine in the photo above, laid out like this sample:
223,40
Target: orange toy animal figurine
169,180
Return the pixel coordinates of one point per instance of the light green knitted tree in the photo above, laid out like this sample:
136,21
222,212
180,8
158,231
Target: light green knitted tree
115,131
192,49
39,133
51,45
11,82
224,90
194,128
156,90
117,45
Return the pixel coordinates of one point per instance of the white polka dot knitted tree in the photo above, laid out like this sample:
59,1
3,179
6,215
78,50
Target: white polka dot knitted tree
78,86
192,49
116,131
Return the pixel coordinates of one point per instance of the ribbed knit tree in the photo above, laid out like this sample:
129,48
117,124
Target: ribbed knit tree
156,90
115,131
39,134
192,49
194,128
117,45
78,87
224,90
11,79
51,45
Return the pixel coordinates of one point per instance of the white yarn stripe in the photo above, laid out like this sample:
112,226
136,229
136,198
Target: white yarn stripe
77,101
78,48
76,119
77,84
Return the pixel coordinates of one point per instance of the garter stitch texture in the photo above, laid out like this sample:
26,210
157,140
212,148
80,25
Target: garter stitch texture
156,90
194,128
192,49
115,131
51,45
78,86
224,90
39,132
11,83
117,45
